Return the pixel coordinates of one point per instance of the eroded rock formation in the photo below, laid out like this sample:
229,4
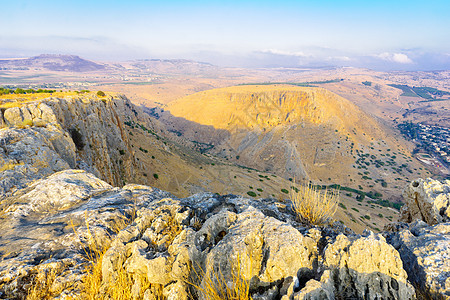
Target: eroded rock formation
49,135
171,239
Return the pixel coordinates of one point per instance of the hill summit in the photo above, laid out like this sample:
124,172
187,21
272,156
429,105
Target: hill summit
294,132
53,62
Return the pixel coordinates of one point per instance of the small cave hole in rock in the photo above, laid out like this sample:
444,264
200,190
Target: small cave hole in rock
77,138
415,184
220,236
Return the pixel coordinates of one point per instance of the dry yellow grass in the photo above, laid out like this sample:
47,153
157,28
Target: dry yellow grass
215,287
121,287
124,282
18,100
9,166
42,286
314,206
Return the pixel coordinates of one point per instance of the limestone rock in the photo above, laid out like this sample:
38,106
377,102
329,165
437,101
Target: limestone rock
55,218
58,192
425,251
26,155
427,200
264,248
174,242
87,133
367,267
13,116
2,121
315,290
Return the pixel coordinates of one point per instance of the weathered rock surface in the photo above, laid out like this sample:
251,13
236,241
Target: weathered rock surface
427,200
54,219
48,224
367,262
49,135
425,249
27,154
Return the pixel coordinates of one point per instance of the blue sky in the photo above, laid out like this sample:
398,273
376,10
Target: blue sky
376,34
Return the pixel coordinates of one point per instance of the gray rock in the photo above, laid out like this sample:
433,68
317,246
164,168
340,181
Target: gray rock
265,249
175,243
26,155
427,200
425,251
87,133
366,269
2,121
55,218
13,116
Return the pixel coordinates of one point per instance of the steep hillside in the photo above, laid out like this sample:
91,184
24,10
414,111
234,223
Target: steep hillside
294,132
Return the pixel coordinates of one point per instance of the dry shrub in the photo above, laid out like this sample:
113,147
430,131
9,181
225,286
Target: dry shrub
119,288
42,285
215,286
122,285
312,205
10,166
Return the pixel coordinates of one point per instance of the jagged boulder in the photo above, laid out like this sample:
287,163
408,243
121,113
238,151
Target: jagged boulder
53,220
367,268
38,114
176,244
425,251
27,154
265,249
427,200
2,121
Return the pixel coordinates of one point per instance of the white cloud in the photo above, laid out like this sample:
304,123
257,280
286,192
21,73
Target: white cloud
395,57
286,53
338,58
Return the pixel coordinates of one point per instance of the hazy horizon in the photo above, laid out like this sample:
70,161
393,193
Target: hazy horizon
405,35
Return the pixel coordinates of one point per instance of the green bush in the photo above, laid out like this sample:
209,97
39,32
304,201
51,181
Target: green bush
155,176
101,94
342,206
251,193
285,191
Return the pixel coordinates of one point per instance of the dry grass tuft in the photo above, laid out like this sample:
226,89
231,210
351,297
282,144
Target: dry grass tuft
119,288
10,166
215,286
123,284
43,287
314,206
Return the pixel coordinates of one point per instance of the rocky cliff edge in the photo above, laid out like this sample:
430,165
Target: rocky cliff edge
177,244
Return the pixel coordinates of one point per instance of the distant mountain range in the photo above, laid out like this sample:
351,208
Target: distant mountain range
52,62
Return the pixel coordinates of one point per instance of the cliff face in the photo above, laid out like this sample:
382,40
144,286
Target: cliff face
291,131
48,135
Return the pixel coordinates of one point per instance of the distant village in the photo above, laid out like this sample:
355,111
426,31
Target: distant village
435,139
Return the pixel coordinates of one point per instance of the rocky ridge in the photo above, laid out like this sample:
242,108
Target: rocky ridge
49,135
48,224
